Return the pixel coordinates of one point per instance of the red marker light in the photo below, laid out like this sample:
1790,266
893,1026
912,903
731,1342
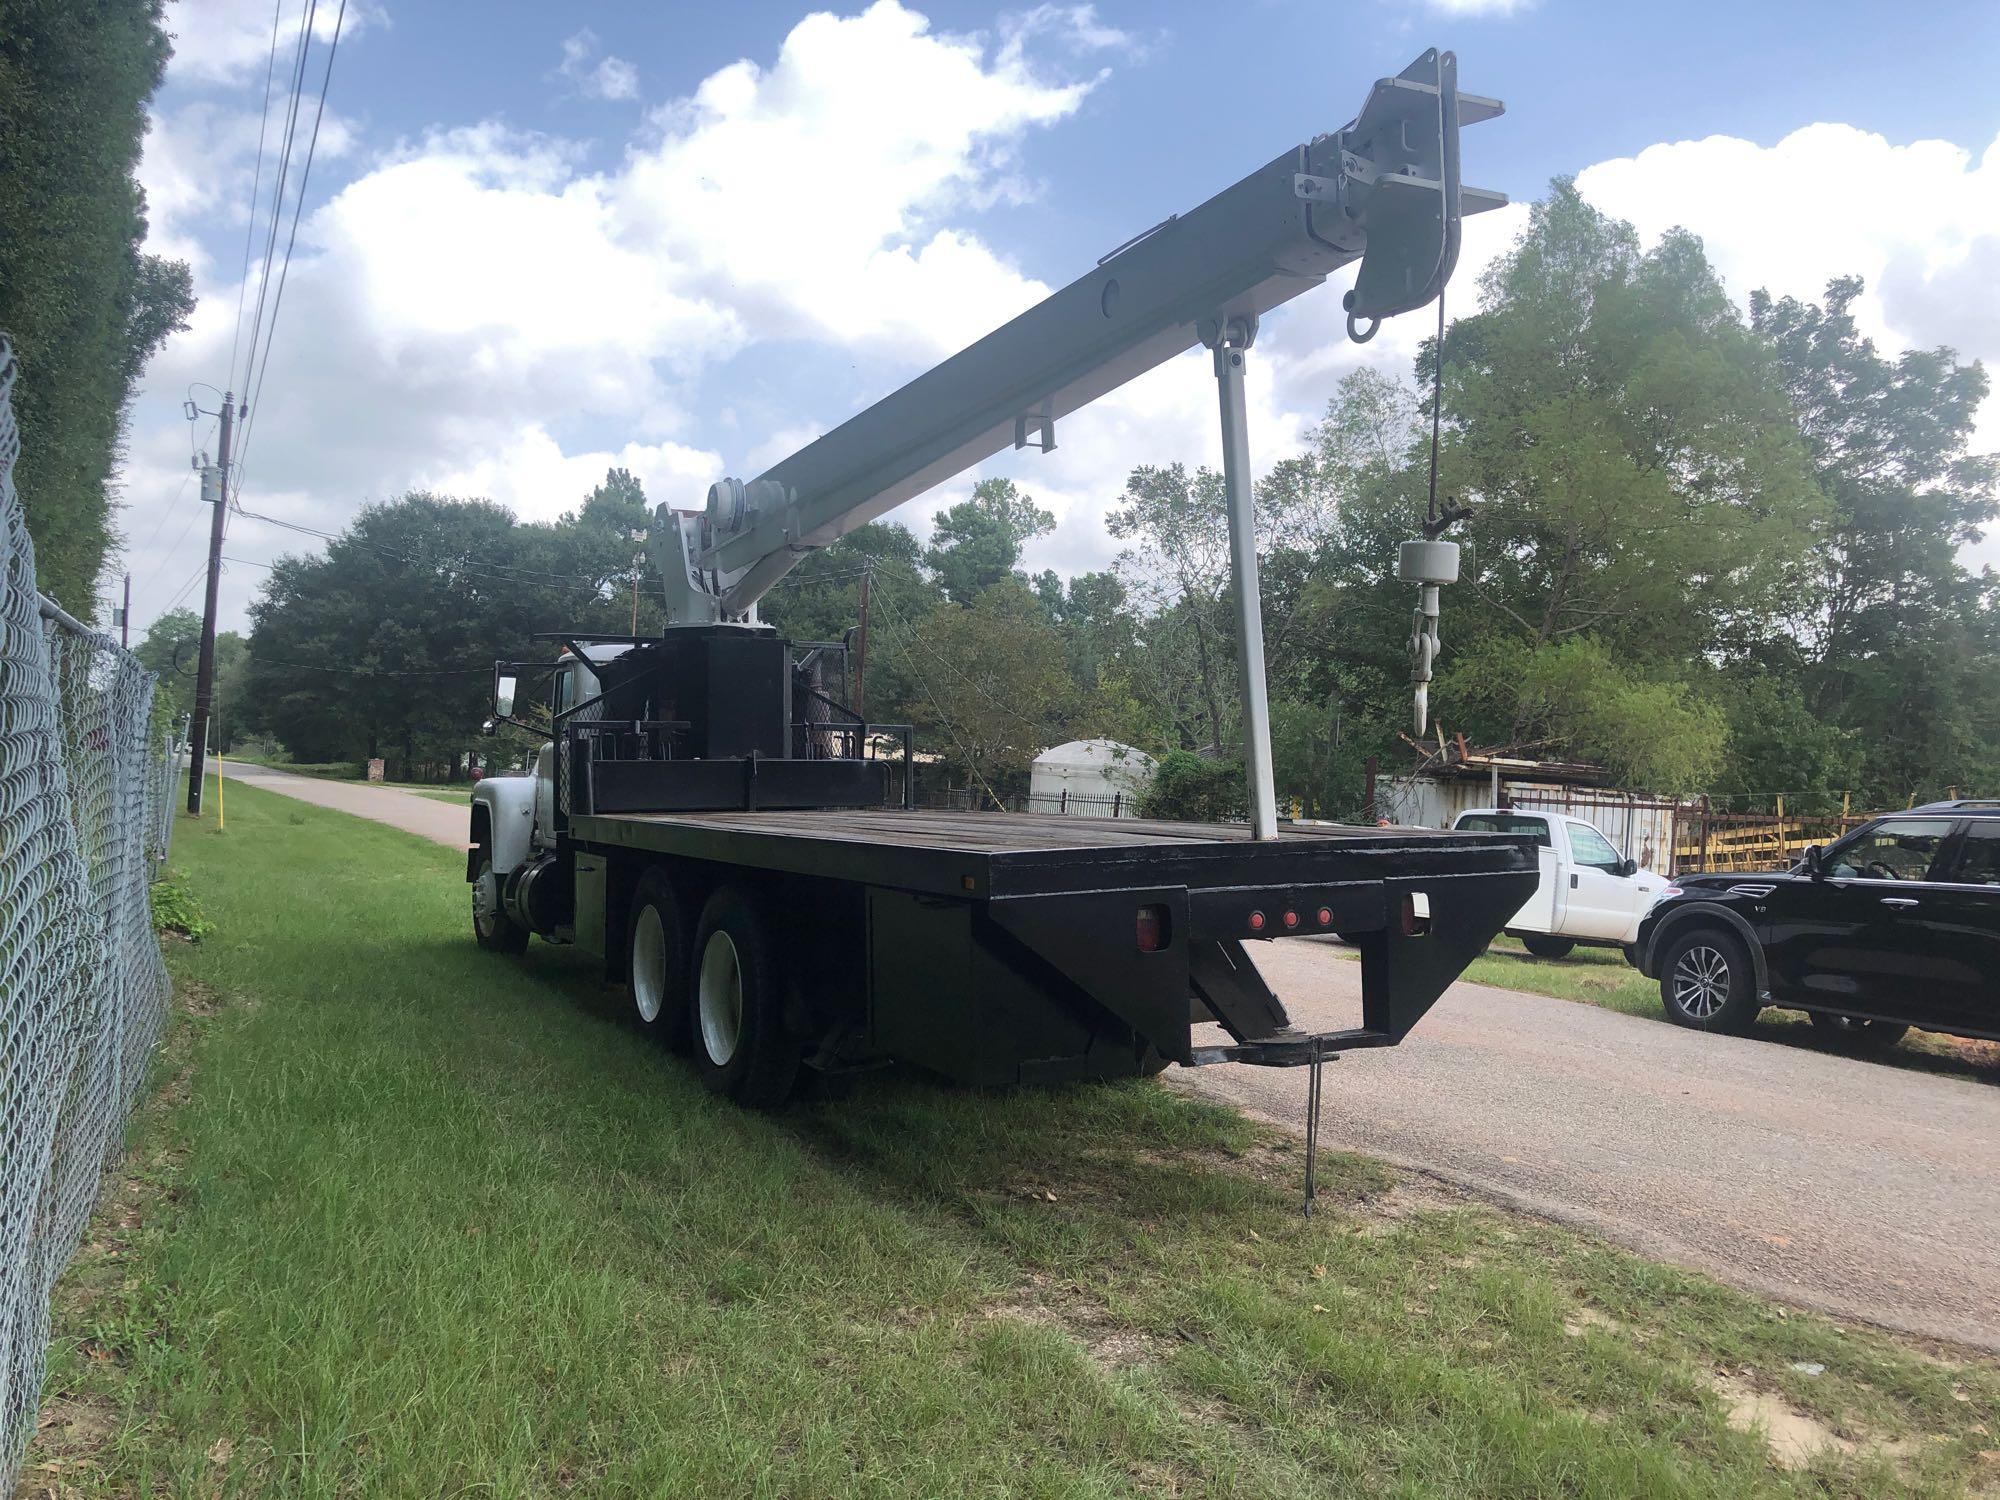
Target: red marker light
1291,919
1326,916
1256,921
1152,928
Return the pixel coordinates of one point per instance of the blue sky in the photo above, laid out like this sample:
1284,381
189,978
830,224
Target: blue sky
538,239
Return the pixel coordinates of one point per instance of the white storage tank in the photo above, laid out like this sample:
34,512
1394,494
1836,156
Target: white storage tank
1089,778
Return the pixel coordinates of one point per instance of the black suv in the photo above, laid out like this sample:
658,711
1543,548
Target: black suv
1897,925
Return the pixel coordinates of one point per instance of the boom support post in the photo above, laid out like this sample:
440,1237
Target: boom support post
1231,339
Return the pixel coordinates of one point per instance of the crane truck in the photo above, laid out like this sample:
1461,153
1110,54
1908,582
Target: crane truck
714,823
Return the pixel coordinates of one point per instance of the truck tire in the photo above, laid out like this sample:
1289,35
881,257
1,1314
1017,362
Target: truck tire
491,925
657,967
742,1047
1548,947
1707,982
1857,1033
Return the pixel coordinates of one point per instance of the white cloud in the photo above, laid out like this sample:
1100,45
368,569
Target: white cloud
230,41
606,77
1478,7
1076,26
475,310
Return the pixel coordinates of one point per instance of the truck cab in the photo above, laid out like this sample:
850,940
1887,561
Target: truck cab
1588,893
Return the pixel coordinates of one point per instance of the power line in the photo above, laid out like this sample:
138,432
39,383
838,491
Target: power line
460,561
302,666
298,208
256,183
284,169
181,593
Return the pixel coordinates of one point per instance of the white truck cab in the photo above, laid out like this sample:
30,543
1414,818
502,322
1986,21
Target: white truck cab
1588,892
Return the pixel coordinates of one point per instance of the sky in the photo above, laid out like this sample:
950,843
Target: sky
539,240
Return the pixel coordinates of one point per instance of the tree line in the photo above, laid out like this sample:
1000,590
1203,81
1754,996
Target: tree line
84,307
1710,551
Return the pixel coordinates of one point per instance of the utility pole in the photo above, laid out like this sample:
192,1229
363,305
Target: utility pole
204,682
861,653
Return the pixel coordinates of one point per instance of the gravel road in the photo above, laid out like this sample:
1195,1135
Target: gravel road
1831,1182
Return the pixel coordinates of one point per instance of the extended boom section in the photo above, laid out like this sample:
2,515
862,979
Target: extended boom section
1383,190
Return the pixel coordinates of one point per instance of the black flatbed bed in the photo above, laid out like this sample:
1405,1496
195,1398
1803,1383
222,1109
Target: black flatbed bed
1009,854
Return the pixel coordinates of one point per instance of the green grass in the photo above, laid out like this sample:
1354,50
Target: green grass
1599,976
409,1218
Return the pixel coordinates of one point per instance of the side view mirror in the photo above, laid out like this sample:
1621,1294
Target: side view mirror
1812,861
1629,868
503,696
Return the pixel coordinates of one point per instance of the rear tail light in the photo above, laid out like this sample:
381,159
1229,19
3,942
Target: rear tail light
1325,915
1153,933
1291,919
1256,921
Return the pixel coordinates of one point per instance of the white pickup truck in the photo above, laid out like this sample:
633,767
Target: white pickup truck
1588,892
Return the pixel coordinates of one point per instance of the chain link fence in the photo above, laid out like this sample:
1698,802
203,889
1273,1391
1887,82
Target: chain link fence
85,813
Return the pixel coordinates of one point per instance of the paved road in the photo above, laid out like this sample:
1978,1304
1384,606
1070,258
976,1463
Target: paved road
441,822
1832,1182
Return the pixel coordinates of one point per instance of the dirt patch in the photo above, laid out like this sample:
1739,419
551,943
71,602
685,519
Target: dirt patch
196,999
1383,1214
1113,1347
1794,1438
1580,1322
70,1437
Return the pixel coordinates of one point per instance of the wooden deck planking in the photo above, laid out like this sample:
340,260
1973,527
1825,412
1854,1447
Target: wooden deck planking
994,833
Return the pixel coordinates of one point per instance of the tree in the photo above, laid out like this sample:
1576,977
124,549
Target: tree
1575,695
1176,569
84,307
1626,446
382,645
978,541
1897,638
992,690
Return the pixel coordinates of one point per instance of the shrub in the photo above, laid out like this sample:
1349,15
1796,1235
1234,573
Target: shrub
1195,789
175,910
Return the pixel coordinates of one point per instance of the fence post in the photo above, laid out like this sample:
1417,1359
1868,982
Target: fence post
1063,805
1704,831
1117,804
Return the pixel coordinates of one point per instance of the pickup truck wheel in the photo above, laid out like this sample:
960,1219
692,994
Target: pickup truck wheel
1548,947
1707,982
491,925
659,961
742,1047
1857,1032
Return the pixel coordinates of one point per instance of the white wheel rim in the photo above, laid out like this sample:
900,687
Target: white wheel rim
1701,982
649,964
720,999
485,900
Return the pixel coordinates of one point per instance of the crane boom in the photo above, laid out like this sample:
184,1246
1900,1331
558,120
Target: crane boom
1384,189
